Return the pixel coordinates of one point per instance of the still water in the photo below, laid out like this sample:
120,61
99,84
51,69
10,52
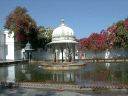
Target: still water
115,72
92,72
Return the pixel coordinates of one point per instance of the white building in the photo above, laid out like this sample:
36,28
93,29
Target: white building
7,48
9,42
7,52
63,43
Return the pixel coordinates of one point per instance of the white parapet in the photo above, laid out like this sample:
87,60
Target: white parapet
9,42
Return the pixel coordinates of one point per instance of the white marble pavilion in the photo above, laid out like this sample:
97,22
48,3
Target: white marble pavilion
63,43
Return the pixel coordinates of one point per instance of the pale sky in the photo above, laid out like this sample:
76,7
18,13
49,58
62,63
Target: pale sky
83,16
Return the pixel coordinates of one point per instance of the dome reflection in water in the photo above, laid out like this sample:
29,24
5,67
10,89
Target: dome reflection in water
96,72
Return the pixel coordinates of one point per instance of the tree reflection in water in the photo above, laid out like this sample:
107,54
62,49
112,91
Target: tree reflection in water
116,72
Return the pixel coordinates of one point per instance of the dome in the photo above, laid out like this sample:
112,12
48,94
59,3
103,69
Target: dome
63,33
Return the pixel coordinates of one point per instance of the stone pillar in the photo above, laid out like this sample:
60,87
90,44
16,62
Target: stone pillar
74,53
62,55
55,55
9,42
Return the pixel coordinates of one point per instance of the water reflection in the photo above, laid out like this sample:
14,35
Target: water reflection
107,65
3,73
7,74
11,74
116,72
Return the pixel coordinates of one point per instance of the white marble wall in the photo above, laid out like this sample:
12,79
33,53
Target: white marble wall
2,47
9,42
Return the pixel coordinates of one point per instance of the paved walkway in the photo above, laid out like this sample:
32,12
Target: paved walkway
35,92
62,87
47,89
42,92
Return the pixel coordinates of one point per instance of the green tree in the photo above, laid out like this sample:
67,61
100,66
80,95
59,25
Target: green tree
23,26
44,36
121,35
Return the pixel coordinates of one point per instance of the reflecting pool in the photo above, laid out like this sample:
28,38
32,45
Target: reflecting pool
92,72
115,72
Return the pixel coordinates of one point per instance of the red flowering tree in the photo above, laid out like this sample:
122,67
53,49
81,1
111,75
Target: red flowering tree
111,36
118,34
23,26
95,42
125,23
114,36
83,45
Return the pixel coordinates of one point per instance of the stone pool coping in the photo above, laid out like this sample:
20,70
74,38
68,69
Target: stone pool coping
63,87
8,62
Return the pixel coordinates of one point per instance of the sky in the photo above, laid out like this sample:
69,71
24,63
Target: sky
83,16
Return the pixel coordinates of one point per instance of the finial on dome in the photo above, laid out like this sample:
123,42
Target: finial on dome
62,21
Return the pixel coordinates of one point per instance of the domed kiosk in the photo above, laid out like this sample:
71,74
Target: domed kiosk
63,47
63,43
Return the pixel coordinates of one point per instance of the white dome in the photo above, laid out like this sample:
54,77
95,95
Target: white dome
63,33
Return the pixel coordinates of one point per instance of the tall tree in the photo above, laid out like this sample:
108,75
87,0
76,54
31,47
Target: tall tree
122,34
23,26
44,36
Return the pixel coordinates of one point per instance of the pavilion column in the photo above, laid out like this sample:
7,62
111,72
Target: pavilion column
74,53
62,54
55,57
